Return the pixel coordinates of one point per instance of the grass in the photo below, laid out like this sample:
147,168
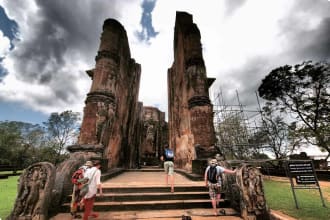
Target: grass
8,191
18,172
279,197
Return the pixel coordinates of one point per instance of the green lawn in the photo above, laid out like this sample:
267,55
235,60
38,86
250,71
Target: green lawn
8,190
18,172
279,196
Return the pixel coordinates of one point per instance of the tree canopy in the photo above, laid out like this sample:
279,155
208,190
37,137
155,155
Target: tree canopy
22,144
276,131
62,129
17,142
304,90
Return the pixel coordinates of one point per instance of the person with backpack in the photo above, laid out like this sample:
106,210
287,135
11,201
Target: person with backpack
212,179
94,185
168,158
78,180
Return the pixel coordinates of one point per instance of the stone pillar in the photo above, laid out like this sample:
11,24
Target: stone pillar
101,100
111,116
190,109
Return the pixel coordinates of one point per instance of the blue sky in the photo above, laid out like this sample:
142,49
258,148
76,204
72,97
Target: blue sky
46,46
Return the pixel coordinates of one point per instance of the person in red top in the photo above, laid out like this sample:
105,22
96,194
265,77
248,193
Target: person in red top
76,197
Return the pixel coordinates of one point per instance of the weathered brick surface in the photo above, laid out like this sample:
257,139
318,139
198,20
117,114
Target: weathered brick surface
154,135
112,115
190,109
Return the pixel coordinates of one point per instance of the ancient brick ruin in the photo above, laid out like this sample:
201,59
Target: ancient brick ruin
115,125
111,114
154,137
191,130
118,130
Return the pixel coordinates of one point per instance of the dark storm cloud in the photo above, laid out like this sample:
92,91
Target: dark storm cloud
245,80
302,43
307,43
148,30
62,33
314,44
232,5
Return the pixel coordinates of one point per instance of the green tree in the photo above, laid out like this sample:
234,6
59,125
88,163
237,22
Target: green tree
303,90
233,137
18,141
62,130
276,131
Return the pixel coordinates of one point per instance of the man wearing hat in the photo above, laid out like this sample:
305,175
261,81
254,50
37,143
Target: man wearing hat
212,179
77,180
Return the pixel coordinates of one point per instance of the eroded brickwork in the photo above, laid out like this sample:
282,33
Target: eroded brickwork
154,135
112,113
190,109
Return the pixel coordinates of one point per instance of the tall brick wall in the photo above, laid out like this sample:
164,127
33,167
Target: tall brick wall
112,113
190,109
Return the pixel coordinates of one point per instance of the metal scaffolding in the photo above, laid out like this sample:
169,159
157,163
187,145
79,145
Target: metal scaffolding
235,127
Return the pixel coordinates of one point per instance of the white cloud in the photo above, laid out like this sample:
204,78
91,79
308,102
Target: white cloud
31,94
4,45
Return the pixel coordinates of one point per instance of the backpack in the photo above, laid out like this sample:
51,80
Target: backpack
212,174
169,154
78,174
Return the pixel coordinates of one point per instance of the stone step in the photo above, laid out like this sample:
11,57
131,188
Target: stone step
150,205
170,214
151,196
144,189
140,193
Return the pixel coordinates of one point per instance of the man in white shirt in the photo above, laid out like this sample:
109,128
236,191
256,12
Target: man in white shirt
94,176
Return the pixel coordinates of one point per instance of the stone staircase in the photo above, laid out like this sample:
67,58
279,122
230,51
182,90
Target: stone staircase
151,198
144,197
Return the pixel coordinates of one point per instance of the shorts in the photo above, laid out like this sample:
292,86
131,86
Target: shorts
214,189
169,167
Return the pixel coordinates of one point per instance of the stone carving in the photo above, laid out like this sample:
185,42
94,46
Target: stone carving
154,135
150,133
245,191
252,198
34,192
102,122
